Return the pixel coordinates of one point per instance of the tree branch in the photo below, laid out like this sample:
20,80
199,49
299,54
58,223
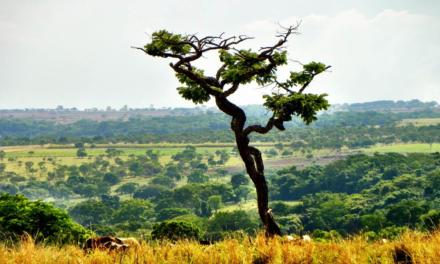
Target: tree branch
204,82
266,51
231,90
311,79
260,129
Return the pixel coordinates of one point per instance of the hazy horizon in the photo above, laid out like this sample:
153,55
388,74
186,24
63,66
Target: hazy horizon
77,54
187,107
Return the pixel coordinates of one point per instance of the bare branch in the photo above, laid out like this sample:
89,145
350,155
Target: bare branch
266,51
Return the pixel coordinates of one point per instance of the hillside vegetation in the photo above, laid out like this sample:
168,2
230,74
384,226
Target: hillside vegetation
350,181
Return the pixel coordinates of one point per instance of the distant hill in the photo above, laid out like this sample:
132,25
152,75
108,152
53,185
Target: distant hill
70,115
390,106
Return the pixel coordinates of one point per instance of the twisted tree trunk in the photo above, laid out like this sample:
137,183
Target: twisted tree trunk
251,157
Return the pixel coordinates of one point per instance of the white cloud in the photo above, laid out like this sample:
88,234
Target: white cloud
77,53
392,55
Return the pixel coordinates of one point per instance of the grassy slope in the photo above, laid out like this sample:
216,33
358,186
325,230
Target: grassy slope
421,248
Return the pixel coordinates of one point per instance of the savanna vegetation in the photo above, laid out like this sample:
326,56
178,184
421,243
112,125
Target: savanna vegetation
360,174
198,191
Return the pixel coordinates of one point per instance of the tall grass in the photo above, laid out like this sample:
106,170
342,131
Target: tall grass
421,248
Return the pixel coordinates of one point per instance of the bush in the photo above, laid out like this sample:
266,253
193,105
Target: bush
42,221
172,212
176,230
111,178
127,188
232,221
321,235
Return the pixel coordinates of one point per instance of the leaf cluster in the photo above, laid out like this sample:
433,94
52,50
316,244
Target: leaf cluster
192,90
163,42
306,106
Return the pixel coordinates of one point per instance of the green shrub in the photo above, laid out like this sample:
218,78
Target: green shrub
176,230
169,213
232,221
42,221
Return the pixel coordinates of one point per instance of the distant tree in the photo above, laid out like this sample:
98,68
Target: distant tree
173,171
112,201
149,191
154,156
29,166
232,221
240,67
164,181
112,152
111,178
239,179
168,213
81,153
133,210
127,188
242,192
215,202
197,177
2,155
90,212
79,145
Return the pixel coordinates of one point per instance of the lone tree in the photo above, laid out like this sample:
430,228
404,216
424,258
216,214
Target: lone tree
237,68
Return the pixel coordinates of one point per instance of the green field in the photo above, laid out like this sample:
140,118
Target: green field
404,148
66,154
54,155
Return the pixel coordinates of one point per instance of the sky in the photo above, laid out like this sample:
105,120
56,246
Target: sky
78,53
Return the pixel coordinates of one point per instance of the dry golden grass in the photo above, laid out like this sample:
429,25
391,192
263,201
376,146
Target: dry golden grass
422,249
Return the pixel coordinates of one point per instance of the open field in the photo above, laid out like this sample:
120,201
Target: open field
418,247
66,154
403,148
420,121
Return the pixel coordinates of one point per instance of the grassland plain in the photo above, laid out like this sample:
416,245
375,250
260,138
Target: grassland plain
66,154
421,248
404,148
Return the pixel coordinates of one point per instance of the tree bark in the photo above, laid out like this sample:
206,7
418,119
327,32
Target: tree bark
251,157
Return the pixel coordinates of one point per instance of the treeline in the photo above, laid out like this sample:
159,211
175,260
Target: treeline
341,128
389,105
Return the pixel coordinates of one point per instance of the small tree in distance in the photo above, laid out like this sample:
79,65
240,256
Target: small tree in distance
240,67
